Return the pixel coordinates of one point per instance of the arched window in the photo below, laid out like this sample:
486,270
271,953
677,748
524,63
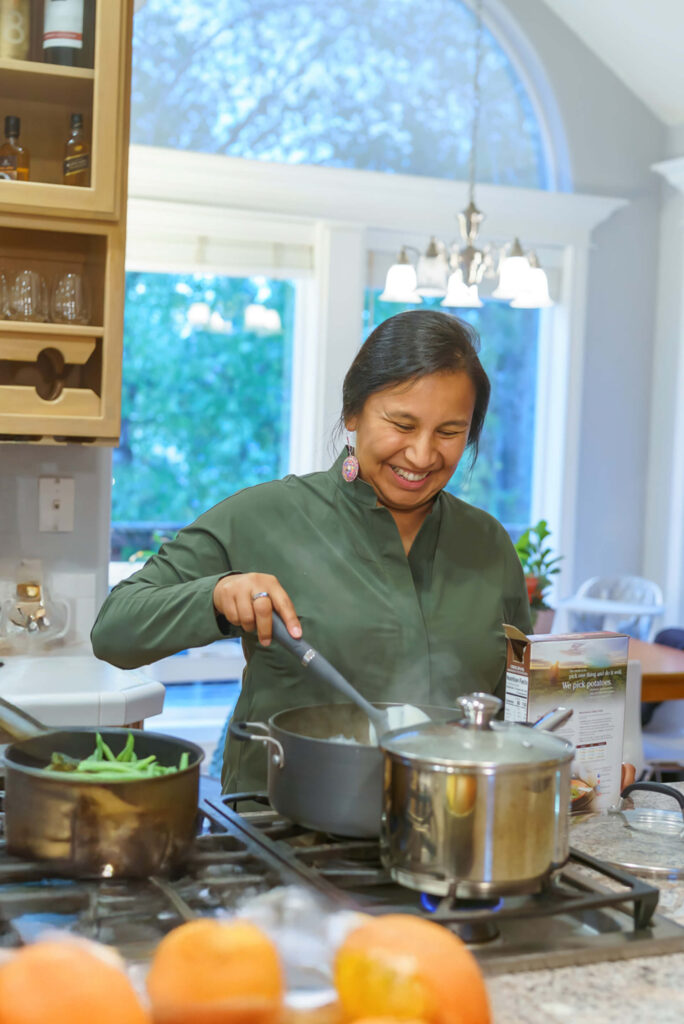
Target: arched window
382,85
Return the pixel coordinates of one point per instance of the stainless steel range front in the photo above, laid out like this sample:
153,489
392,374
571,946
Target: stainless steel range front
244,849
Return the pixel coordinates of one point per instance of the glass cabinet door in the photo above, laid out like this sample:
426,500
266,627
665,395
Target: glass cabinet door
44,97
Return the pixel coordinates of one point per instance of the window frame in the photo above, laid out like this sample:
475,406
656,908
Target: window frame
318,226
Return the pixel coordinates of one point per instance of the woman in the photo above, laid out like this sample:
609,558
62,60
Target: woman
401,586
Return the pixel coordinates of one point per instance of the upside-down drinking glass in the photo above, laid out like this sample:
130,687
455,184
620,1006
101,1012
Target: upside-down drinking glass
28,297
70,301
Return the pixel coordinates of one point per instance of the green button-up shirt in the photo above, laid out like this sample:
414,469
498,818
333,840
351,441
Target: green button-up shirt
421,628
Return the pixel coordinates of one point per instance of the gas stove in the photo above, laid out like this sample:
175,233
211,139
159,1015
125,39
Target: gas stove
243,848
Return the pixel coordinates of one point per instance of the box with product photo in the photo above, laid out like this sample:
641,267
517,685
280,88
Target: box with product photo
588,673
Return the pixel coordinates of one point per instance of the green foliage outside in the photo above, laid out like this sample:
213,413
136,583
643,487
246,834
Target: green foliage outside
205,408
383,85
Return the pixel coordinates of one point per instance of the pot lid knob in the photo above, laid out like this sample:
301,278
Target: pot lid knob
479,709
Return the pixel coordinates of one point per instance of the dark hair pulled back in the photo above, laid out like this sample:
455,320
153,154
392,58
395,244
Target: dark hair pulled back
412,345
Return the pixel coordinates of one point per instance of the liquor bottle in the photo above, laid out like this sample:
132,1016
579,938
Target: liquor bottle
68,32
15,160
15,29
76,155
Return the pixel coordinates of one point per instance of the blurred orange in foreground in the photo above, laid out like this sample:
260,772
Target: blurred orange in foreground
216,972
387,1020
404,967
63,982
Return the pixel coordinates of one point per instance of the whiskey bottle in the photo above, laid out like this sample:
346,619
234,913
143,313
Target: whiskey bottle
15,29
15,159
76,155
68,32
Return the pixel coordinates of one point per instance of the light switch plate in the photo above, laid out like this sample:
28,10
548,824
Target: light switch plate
56,504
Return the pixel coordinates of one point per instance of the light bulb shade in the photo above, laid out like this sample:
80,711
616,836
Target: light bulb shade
536,293
460,295
261,319
432,276
513,277
400,284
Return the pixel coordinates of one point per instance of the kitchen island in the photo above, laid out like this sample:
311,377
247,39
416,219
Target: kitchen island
645,990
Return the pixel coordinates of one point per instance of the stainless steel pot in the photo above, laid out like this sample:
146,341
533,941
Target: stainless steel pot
91,829
333,785
475,809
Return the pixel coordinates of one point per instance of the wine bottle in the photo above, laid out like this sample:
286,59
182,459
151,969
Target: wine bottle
68,32
15,29
76,155
15,159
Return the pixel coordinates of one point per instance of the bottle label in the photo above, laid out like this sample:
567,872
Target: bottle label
8,165
63,25
14,29
72,164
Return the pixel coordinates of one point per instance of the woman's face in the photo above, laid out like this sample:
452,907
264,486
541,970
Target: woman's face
410,437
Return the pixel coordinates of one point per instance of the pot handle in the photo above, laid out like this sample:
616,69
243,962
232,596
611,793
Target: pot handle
553,719
241,731
655,787
18,723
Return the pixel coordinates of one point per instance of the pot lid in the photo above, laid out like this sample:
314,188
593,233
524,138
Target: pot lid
478,740
647,841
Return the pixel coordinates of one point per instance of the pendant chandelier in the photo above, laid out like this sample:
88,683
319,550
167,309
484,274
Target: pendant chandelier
453,272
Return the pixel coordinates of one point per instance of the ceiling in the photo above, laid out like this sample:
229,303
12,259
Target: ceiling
641,41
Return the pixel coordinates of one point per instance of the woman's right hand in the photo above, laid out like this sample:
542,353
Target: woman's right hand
249,599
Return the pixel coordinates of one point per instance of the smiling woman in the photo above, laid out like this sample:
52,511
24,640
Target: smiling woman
403,587
416,395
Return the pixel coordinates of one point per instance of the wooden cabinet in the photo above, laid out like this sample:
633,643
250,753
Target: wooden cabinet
61,382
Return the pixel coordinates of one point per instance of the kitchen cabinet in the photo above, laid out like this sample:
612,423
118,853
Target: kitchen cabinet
61,382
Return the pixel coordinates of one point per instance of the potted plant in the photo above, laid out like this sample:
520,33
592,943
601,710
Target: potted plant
539,566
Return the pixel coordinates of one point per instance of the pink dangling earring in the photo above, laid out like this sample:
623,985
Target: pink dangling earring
350,466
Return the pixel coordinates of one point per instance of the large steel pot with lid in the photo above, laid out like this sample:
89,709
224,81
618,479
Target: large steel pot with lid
475,809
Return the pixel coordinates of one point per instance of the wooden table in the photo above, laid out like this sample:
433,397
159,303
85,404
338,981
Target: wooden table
662,670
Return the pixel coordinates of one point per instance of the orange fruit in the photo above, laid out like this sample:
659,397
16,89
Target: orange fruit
387,1020
212,972
63,982
405,967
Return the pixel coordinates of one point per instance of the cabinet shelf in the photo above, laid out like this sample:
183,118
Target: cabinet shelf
60,382
45,83
48,330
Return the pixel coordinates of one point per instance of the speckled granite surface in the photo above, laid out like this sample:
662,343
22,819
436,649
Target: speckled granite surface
648,990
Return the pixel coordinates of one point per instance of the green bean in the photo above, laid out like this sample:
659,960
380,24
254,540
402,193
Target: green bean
103,766
127,753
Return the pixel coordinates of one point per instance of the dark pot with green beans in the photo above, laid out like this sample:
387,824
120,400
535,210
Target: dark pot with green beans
98,803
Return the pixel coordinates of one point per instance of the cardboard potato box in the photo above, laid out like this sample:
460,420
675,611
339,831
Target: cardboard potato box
588,673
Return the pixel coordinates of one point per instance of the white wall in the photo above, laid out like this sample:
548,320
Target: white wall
612,141
83,553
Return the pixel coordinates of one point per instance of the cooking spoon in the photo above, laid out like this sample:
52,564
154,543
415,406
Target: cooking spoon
400,716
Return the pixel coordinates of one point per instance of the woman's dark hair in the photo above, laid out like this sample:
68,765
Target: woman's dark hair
412,345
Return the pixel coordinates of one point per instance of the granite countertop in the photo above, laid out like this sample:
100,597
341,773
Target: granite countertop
639,991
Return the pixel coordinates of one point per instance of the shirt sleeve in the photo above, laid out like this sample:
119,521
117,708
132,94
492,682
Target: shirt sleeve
168,605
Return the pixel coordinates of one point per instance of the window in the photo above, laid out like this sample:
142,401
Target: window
382,85
501,480
205,398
